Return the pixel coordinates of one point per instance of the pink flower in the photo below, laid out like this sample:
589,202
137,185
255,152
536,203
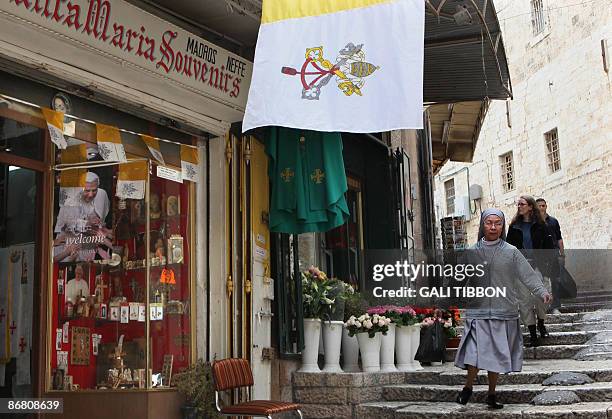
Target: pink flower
377,310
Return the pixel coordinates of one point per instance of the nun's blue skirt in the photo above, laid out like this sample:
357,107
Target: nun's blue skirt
491,345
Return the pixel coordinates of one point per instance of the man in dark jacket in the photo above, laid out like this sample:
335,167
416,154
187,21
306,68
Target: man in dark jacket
529,233
555,230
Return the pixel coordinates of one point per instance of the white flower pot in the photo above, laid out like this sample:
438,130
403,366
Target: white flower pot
310,353
370,351
403,348
387,350
415,341
350,352
332,339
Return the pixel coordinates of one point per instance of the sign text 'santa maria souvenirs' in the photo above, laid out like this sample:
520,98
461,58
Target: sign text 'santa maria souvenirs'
141,39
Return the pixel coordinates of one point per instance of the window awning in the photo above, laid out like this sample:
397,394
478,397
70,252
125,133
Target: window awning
454,130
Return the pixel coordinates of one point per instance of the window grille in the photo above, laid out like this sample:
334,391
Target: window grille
552,150
538,17
507,171
449,189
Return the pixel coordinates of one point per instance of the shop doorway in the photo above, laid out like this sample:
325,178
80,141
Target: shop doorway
19,273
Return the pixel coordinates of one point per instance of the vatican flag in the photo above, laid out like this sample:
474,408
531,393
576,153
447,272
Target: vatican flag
55,125
110,146
132,179
341,65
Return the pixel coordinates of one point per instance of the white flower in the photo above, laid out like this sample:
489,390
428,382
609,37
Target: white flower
358,324
368,324
362,317
381,322
387,321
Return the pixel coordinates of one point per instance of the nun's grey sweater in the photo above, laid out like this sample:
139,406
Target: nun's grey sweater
506,266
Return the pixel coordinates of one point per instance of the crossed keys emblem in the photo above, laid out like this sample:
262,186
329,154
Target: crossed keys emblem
350,71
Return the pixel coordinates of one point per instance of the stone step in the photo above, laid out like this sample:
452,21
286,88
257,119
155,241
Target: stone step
586,307
564,338
534,372
540,352
569,327
567,317
509,393
424,410
602,294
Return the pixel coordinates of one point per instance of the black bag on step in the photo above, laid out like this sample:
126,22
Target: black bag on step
567,285
433,344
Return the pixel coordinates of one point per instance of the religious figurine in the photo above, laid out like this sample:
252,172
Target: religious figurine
154,206
99,291
116,377
69,311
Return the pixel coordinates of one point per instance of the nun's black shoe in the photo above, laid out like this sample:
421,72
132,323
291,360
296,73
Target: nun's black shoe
492,403
464,396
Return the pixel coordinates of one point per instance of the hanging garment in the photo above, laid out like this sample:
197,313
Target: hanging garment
308,181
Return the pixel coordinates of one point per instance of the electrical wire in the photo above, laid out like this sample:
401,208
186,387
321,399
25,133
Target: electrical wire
548,9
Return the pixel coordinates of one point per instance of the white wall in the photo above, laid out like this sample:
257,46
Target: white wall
558,81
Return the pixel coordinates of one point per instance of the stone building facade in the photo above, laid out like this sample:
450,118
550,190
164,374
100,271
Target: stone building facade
559,66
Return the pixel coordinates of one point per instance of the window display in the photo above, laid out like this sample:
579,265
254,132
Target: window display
121,267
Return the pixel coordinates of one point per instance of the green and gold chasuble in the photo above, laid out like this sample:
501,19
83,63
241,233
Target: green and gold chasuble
308,180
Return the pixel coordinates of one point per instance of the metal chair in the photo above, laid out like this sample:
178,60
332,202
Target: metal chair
233,373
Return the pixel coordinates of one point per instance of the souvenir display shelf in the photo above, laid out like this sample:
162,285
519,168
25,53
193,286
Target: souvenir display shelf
100,340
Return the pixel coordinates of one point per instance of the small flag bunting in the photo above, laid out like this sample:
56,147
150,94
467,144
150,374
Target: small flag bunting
131,180
72,181
153,145
189,163
110,146
55,124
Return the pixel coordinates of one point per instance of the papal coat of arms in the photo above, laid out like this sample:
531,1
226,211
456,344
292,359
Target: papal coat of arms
349,72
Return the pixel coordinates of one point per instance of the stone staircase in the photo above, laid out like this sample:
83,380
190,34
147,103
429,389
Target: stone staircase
431,393
580,342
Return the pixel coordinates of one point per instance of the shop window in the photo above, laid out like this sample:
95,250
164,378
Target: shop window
121,312
18,272
552,151
18,137
507,171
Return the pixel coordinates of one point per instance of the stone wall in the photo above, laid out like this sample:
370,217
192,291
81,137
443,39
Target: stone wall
332,396
558,82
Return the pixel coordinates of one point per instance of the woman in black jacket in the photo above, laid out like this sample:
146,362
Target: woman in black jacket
528,232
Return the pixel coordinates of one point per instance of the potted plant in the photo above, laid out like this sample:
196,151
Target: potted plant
407,338
387,346
354,306
337,292
452,318
195,383
369,330
314,299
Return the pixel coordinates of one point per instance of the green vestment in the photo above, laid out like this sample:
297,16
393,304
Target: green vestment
308,180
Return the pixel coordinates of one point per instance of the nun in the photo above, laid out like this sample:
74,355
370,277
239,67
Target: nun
492,339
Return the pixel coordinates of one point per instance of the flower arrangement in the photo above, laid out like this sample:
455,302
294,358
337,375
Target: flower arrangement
314,292
323,297
366,323
449,319
401,316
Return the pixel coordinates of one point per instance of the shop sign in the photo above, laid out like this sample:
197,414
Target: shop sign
143,40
